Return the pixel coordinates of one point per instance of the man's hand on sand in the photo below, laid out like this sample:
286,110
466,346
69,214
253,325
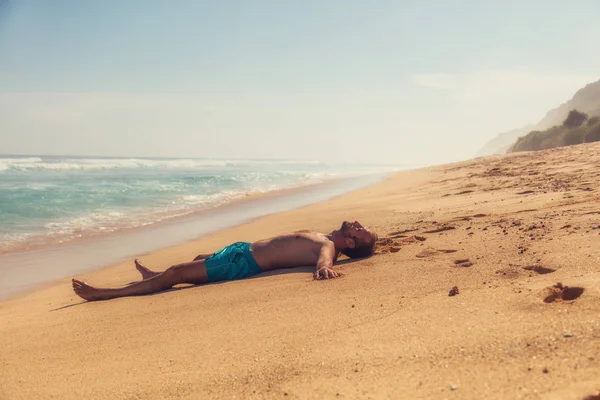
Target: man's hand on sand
326,273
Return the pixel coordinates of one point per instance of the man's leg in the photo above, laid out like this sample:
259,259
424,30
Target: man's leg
192,272
148,273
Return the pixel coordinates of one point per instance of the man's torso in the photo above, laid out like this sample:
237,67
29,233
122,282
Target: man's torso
289,250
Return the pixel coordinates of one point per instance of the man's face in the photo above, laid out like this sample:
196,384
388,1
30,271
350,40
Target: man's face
356,231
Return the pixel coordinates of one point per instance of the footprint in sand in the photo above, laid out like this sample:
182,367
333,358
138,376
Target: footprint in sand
591,213
393,244
508,273
463,262
430,251
414,239
400,234
441,229
388,245
538,269
558,293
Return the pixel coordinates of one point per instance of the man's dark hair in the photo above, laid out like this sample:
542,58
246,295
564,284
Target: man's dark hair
363,250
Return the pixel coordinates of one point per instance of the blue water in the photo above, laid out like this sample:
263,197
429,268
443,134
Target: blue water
56,199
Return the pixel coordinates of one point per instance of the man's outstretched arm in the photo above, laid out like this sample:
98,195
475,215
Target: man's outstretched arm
325,262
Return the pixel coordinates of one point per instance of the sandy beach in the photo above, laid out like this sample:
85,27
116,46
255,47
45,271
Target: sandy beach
518,236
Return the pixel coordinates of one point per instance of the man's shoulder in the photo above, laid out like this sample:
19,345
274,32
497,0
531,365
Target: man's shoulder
312,232
308,231
313,235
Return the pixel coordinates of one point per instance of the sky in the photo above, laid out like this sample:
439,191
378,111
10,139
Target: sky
338,81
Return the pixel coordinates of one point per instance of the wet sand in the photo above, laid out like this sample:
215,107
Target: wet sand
486,285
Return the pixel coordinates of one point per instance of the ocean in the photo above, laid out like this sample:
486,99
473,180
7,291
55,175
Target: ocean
46,199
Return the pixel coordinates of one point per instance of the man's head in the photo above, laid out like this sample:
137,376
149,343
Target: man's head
358,242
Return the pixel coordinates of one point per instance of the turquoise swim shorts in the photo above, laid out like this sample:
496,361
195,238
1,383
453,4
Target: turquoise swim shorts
232,262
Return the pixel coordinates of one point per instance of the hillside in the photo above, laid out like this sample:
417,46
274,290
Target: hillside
577,128
586,100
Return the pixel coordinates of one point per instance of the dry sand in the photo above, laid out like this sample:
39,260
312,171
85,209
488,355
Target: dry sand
503,231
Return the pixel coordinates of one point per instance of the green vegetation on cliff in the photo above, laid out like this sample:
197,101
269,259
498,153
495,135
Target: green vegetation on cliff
576,128
586,100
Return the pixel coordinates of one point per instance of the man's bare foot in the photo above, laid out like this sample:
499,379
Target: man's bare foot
146,273
86,291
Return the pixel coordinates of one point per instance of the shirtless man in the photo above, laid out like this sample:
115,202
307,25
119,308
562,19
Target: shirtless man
241,260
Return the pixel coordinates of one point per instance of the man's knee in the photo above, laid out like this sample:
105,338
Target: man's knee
186,273
173,274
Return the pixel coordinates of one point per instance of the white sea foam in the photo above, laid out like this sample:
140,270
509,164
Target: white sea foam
8,163
63,164
198,199
102,221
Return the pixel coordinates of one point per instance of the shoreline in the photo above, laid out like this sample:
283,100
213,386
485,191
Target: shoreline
23,271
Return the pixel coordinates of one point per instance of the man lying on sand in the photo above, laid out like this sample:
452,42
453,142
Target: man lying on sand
241,260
